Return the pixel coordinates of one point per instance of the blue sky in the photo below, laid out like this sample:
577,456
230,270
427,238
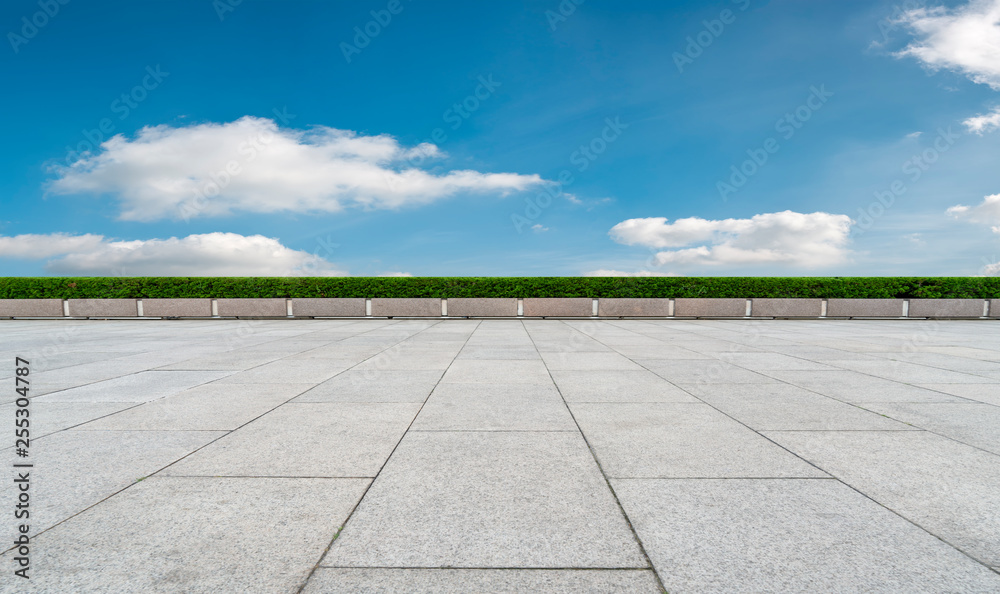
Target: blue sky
589,137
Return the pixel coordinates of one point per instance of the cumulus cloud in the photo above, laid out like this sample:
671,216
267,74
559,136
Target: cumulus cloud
35,247
622,273
211,254
787,238
251,165
964,39
984,123
987,212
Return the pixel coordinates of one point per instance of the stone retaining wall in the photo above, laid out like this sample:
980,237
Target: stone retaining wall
482,308
503,308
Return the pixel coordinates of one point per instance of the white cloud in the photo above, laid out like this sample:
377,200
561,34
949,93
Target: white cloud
988,212
788,238
965,39
396,274
622,273
992,269
984,123
211,254
36,247
914,135
251,165
539,228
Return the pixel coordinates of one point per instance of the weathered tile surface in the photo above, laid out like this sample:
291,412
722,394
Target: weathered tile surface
812,455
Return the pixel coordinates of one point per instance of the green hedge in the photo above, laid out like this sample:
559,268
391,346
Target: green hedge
749,287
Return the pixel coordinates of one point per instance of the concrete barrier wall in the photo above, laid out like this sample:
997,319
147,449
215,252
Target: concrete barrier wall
103,308
786,308
482,308
502,308
946,308
865,308
328,308
31,308
252,308
634,308
693,307
406,308
559,308
177,308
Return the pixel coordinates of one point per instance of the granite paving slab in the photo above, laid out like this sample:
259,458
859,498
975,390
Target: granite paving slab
544,504
950,489
659,440
138,387
783,406
617,386
306,440
201,535
50,417
209,407
987,393
374,385
859,388
494,371
463,581
76,469
494,407
783,535
971,423
509,455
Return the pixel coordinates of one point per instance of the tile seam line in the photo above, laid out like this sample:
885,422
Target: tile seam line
485,568
224,434
971,373
725,478
651,323
169,364
843,482
343,525
597,462
764,372
858,406
277,477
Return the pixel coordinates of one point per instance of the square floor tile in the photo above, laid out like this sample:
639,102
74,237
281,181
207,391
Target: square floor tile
544,504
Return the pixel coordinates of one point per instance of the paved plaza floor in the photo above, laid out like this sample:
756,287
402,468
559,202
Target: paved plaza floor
506,456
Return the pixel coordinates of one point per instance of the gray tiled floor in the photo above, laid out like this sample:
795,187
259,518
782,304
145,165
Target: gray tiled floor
508,456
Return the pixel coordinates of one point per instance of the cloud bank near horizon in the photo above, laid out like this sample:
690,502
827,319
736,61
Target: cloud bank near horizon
789,238
210,254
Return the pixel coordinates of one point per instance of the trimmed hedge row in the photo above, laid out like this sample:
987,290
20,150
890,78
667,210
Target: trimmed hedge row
445,287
